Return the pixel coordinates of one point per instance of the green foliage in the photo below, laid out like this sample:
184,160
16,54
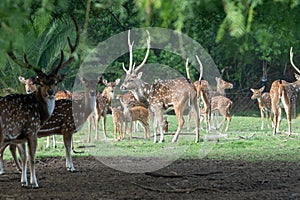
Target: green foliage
241,36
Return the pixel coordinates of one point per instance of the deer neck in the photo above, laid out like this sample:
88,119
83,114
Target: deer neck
106,94
220,90
141,93
89,104
45,107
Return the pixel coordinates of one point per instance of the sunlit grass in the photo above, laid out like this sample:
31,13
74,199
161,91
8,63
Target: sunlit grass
245,141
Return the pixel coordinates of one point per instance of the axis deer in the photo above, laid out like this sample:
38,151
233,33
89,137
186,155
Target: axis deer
22,115
118,120
20,127
283,94
222,86
68,118
203,93
223,105
130,101
177,92
31,87
136,113
103,103
264,104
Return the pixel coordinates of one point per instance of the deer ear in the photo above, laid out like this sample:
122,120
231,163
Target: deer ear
117,81
140,75
252,90
262,88
22,79
104,81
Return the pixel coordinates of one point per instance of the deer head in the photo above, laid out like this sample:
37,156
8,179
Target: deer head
110,87
257,93
132,80
29,85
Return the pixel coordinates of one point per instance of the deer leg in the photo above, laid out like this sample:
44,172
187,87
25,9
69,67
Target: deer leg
12,149
90,119
267,117
121,133
294,110
262,119
180,119
222,122
97,120
130,129
228,121
275,114
48,142
115,131
68,143
289,117
54,141
104,126
188,121
146,129
24,166
278,119
197,122
155,125
32,143
1,159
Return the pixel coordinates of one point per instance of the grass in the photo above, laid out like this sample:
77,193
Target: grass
262,146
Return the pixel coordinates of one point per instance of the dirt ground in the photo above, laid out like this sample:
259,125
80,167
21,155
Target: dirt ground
184,179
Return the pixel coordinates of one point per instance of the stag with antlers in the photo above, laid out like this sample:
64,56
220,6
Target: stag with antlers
177,92
31,87
68,118
23,115
283,94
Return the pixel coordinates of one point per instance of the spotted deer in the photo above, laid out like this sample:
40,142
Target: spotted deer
202,88
283,95
223,105
103,103
222,85
136,113
264,104
68,118
178,93
23,115
31,87
130,101
118,120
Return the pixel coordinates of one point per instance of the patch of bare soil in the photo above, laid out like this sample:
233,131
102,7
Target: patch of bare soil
184,179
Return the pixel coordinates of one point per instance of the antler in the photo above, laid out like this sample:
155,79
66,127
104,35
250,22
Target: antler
291,60
72,47
201,68
130,46
187,68
24,63
147,53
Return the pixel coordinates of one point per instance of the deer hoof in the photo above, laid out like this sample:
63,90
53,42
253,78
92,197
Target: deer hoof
24,184
35,186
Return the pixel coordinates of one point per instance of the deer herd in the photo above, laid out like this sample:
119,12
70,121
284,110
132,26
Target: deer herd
48,112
